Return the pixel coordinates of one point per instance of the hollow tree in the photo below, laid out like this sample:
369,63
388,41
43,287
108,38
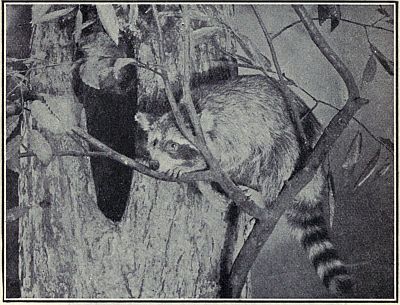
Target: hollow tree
170,241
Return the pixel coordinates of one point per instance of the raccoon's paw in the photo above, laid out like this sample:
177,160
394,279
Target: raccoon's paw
253,195
174,173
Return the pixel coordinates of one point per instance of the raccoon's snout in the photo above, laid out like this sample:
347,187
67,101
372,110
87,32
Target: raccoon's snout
154,165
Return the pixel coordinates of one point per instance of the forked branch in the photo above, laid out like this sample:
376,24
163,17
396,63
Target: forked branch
263,229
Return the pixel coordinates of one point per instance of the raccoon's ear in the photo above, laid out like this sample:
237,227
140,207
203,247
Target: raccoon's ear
145,120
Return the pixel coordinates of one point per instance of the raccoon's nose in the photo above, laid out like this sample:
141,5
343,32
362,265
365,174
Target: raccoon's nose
154,165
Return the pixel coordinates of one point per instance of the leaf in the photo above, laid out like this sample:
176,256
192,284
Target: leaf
334,23
46,118
335,15
109,20
323,13
369,70
390,21
78,26
354,152
388,143
88,73
369,169
386,64
331,198
382,11
55,15
38,10
40,147
11,124
12,154
329,12
383,170
133,14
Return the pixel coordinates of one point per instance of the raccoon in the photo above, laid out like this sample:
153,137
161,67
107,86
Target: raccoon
248,129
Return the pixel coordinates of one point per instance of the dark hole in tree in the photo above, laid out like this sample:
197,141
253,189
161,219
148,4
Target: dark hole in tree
110,119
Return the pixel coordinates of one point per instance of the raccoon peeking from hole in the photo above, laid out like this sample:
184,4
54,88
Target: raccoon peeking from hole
249,131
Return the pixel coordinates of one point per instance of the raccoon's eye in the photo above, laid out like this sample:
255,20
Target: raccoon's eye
172,145
154,143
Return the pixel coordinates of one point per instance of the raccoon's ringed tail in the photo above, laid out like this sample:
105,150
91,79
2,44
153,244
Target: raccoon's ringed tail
310,229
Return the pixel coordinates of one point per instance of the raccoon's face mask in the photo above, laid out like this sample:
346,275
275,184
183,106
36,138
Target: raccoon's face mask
167,146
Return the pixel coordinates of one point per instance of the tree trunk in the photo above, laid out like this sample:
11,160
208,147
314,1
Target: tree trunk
171,241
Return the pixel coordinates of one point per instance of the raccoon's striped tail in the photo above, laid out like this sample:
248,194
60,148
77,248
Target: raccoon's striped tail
309,226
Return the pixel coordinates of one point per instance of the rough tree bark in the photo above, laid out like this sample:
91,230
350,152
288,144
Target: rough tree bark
171,242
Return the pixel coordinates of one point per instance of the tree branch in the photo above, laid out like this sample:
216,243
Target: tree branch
112,154
69,153
263,229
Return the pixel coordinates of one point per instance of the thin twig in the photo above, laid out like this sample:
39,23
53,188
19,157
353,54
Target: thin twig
288,97
342,19
41,67
187,72
69,153
380,19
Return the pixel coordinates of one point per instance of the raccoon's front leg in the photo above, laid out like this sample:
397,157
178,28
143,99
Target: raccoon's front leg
212,195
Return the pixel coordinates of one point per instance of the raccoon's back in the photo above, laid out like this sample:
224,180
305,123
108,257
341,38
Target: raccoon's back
246,118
